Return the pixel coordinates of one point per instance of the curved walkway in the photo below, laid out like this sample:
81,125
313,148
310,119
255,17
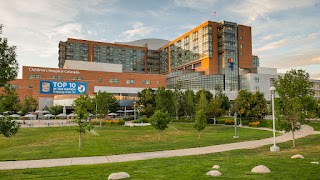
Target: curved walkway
305,131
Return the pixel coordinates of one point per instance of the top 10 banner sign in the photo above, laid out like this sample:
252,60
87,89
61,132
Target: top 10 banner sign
61,87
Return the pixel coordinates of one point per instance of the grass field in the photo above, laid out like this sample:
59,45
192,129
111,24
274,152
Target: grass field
235,164
315,125
62,142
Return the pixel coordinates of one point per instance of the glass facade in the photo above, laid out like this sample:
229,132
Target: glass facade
164,59
77,51
153,63
132,60
228,55
255,61
191,48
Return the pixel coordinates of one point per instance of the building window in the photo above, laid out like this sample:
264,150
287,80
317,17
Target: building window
241,46
272,81
130,81
114,81
77,78
56,77
14,86
256,79
145,81
244,80
30,86
158,83
240,29
100,80
241,53
34,76
241,38
257,88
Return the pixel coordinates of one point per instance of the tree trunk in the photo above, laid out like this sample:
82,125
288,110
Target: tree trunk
159,136
177,114
293,137
214,120
198,134
79,140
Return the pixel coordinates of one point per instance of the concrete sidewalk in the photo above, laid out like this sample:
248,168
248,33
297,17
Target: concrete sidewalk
305,131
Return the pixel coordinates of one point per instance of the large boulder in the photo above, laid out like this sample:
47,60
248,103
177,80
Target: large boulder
118,175
216,167
214,173
297,156
260,169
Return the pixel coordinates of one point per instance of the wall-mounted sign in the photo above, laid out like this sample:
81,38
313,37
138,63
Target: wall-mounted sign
61,87
58,71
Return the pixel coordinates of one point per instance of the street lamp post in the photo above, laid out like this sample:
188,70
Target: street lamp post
134,111
274,147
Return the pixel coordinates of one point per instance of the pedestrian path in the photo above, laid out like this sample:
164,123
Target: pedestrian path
305,131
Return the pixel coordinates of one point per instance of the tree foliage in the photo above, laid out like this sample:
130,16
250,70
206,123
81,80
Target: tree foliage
56,109
8,63
29,104
147,98
164,101
105,102
160,120
177,99
189,102
207,93
203,103
8,127
200,122
9,100
295,93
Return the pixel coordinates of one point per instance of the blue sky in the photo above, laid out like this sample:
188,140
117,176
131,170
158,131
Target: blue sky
285,33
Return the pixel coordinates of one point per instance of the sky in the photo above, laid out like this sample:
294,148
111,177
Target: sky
285,33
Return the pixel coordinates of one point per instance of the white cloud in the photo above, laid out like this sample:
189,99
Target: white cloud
271,45
138,30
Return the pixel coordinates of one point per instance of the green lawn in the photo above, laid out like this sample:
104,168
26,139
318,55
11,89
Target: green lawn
235,164
62,142
315,125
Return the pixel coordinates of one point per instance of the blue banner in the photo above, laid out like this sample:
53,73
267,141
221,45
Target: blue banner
61,87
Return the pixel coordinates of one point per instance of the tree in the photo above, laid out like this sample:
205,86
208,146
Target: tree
260,108
200,123
56,109
147,98
164,100
29,104
225,102
203,103
160,120
207,93
189,102
294,91
82,107
216,109
177,99
8,127
8,63
105,102
9,100
242,104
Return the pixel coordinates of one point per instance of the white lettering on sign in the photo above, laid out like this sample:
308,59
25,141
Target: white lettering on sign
60,71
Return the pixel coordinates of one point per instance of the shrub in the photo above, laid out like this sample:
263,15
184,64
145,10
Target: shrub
144,120
128,118
109,122
254,124
229,122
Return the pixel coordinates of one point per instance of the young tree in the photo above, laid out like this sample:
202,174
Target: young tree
104,103
82,107
8,63
225,102
260,108
293,89
189,102
242,104
200,123
160,120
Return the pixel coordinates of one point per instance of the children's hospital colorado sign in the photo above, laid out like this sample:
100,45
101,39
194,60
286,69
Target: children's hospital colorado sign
61,87
58,71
